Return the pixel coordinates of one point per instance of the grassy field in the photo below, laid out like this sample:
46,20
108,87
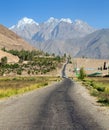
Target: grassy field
98,87
19,85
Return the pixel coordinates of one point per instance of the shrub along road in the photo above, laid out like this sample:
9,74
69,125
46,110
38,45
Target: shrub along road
51,108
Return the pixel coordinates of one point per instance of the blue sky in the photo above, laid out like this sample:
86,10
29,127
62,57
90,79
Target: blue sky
94,12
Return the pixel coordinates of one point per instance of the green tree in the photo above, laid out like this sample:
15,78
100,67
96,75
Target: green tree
82,74
19,71
4,60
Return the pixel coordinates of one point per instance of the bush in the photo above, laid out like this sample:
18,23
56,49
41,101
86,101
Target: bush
82,74
94,92
19,71
104,98
98,86
4,60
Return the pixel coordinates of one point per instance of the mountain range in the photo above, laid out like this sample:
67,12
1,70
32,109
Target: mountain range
51,29
60,36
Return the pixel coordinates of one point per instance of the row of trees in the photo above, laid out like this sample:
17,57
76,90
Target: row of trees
25,54
37,62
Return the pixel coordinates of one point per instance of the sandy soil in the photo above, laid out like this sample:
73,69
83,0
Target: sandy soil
11,58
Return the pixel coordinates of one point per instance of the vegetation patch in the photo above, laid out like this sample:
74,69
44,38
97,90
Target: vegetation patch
98,87
19,85
34,65
30,63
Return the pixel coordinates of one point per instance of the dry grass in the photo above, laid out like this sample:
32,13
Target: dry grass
98,87
19,85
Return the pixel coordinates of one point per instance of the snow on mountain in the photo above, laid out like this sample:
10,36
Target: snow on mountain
67,20
26,20
80,24
52,33
51,20
26,28
23,22
83,26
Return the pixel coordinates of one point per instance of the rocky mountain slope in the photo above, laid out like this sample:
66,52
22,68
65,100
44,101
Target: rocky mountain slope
26,28
95,45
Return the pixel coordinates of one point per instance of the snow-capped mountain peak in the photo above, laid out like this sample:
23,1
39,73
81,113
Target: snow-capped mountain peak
51,20
56,21
23,22
80,22
81,25
26,20
53,28
67,20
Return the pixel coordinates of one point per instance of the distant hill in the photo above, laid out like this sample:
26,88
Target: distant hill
95,45
10,40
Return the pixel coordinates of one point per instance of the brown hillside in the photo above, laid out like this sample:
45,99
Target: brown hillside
10,40
11,58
